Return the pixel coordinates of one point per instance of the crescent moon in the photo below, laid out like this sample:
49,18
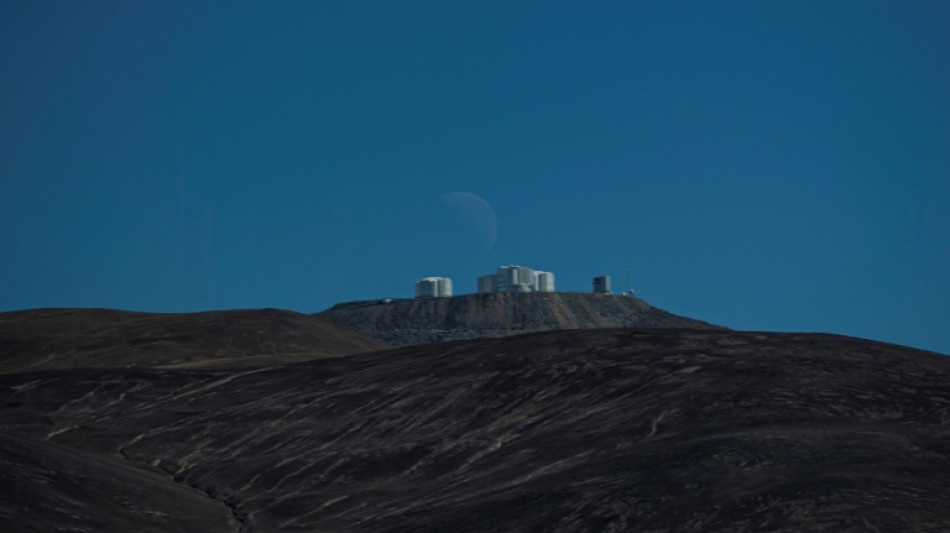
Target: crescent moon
475,210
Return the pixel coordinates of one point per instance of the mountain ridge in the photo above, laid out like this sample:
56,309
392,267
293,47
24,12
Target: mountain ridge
49,338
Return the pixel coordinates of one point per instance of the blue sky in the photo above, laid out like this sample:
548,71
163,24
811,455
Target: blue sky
761,165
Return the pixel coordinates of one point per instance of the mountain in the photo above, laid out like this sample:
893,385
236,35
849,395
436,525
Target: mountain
428,320
683,430
42,339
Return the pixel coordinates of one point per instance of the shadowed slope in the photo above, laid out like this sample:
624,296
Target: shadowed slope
473,316
600,430
41,339
45,487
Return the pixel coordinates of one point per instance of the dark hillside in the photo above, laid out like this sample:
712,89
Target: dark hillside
577,431
42,339
427,320
45,487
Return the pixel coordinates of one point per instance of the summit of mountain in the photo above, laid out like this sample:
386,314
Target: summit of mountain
406,322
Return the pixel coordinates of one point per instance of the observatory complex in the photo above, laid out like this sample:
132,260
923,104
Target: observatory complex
510,278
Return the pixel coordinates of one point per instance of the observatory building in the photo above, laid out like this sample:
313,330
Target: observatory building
516,279
433,287
488,284
545,281
513,278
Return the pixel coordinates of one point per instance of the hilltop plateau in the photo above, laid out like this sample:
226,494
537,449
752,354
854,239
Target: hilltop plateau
406,322
685,430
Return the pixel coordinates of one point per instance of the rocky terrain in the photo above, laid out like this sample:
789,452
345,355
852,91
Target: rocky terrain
681,430
476,316
42,339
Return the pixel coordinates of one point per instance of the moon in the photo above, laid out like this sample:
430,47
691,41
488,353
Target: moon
476,211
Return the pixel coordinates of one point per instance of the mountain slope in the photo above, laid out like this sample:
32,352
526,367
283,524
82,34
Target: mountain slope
41,339
56,488
471,316
583,430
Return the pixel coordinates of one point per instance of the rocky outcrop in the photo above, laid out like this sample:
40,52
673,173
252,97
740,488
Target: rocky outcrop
428,320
